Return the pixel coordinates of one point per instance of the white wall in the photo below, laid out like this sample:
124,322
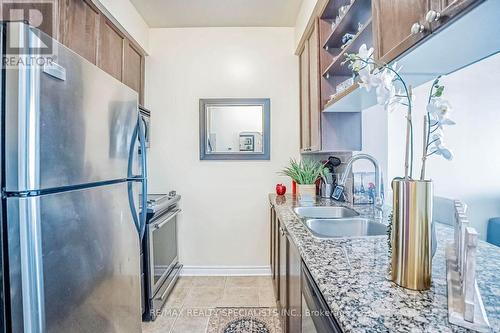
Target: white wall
225,206
473,176
375,142
125,13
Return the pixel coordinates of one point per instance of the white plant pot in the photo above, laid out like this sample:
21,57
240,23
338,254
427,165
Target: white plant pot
306,193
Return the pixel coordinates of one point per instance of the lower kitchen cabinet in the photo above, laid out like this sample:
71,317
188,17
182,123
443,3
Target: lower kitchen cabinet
283,278
294,296
274,252
286,273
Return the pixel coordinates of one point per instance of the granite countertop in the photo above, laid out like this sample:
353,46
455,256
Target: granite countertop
352,275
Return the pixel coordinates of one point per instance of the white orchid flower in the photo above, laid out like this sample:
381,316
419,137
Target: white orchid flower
365,55
368,80
439,107
443,122
440,110
438,146
386,91
385,95
387,78
443,151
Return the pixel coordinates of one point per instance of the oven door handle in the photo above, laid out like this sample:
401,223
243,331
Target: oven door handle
158,225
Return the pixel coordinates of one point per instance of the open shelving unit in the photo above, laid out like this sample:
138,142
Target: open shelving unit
357,20
336,67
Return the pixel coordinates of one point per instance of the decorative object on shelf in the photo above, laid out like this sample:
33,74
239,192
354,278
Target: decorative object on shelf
465,306
412,199
347,39
334,24
305,173
337,20
342,86
280,189
343,10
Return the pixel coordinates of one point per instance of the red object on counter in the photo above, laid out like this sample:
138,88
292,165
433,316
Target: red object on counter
280,189
294,187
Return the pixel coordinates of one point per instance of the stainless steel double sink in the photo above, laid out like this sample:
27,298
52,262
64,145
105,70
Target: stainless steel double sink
338,222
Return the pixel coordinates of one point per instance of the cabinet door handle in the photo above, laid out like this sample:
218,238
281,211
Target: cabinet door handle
432,16
417,28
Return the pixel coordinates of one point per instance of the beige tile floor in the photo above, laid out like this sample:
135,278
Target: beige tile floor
188,306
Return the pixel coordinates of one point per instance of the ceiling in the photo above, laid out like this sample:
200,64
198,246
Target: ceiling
218,13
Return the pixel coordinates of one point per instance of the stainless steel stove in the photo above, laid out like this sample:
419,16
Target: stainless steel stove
160,202
161,263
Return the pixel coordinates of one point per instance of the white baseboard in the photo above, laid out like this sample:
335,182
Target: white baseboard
226,271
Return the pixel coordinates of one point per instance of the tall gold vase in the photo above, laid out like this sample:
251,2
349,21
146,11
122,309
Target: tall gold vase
411,235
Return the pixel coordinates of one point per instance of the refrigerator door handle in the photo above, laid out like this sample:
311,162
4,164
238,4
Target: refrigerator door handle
139,219
144,178
130,175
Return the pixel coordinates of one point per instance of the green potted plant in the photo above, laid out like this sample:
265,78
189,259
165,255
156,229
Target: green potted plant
304,173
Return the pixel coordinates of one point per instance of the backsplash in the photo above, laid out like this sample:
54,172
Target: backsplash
344,158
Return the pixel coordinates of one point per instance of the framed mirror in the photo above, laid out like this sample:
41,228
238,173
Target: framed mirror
235,129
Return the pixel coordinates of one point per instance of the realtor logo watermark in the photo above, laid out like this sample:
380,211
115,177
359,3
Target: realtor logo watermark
33,46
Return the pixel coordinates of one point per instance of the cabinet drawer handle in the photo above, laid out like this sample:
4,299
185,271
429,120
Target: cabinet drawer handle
432,16
417,28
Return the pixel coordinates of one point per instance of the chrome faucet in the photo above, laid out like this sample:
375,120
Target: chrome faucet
338,193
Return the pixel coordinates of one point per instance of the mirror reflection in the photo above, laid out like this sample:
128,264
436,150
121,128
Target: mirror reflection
234,128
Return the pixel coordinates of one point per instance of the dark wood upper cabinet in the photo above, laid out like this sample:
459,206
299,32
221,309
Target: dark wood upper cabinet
399,25
80,27
310,100
133,69
305,120
39,14
443,11
314,89
111,49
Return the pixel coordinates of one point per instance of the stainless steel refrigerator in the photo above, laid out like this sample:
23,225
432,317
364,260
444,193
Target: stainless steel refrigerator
72,171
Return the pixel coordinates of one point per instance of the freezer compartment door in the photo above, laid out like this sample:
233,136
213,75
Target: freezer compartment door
74,262
67,121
